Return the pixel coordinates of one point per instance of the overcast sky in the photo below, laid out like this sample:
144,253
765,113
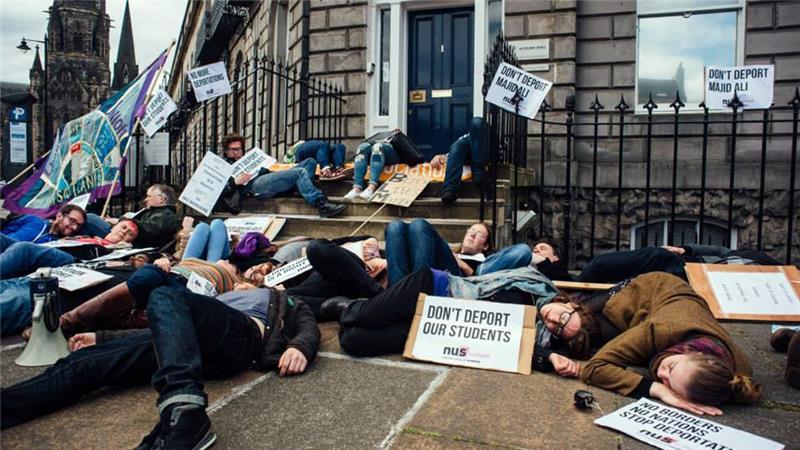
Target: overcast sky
155,23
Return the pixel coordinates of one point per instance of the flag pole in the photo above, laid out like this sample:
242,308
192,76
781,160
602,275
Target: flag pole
136,125
25,170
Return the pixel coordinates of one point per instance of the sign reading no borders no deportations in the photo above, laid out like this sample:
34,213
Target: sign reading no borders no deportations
472,333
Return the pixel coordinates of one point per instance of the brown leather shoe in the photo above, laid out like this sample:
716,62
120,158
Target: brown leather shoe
780,339
792,373
108,310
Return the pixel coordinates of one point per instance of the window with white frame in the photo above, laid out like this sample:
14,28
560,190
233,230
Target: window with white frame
685,232
384,16
676,39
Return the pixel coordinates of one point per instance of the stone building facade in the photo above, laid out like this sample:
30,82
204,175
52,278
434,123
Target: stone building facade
604,50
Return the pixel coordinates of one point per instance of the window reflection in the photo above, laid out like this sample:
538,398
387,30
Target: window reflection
673,50
383,70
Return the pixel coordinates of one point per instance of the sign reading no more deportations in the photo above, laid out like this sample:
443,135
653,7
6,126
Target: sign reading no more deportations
209,81
472,333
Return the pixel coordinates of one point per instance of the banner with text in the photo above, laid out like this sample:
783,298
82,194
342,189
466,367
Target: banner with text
287,271
669,428
206,184
473,333
400,190
739,292
157,112
752,84
209,81
513,87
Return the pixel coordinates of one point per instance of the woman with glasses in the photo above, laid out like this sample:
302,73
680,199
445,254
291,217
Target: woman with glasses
694,363
417,245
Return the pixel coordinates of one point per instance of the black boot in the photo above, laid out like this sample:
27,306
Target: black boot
153,440
448,196
328,209
186,427
332,308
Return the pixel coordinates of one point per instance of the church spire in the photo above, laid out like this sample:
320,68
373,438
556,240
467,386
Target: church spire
125,69
37,63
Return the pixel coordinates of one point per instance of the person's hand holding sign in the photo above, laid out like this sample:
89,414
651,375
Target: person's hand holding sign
242,179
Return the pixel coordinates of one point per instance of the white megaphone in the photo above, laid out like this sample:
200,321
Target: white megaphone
47,343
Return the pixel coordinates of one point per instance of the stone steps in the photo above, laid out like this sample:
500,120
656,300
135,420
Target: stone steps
467,190
427,207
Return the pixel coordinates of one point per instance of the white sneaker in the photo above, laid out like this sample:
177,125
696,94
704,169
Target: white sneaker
367,193
354,193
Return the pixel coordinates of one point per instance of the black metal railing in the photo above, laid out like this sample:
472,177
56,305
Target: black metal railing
653,177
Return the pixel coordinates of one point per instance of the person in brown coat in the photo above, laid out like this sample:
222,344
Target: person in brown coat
694,363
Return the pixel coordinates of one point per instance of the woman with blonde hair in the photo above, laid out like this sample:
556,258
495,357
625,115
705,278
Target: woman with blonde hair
694,363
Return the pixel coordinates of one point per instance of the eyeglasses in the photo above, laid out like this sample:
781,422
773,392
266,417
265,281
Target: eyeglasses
74,222
563,320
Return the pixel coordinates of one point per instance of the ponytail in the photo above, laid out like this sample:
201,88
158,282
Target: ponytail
744,389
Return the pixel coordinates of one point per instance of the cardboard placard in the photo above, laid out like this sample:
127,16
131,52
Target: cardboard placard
473,333
200,285
157,112
754,293
119,254
275,228
209,81
753,86
252,161
581,286
422,170
206,184
244,225
400,190
669,428
287,271
516,90
81,201
74,278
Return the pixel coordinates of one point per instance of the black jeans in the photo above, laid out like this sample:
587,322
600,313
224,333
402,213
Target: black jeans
617,266
380,325
191,337
336,272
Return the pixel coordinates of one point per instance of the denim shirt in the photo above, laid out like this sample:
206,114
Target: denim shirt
526,279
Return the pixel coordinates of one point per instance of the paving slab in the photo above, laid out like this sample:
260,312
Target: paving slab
339,404
513,410
411,440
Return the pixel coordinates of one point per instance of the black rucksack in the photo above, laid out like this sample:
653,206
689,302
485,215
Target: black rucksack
406,149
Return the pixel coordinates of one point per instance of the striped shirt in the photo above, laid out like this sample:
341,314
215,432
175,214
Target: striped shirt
222,280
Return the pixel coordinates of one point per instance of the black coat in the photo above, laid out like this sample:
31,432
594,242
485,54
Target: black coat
291,323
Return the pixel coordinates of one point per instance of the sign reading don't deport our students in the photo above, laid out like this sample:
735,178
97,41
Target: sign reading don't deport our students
752,85
209,81
513,87
669,428
473,333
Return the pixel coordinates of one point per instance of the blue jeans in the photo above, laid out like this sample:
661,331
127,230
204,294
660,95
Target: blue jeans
208,242
23,258
416,245
191,337
299,177
96,226
149,277
511,257
466,149
326,154
15,305
377,160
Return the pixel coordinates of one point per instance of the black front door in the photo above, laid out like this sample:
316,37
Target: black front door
439,78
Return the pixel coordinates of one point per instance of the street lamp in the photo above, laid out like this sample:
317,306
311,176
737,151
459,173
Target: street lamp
23,45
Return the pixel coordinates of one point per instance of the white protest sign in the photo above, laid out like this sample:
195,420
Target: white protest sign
156,150
479,257
119,254
209,81
133,214
157,112
511,85
472,333
287,271
18,142
670,428
244,225
206,184
763,293
73,278
752,84
400,190
200,285
81,201
252,161
64,243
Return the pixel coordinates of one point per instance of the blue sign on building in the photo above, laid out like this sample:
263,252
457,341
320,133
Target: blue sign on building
18,114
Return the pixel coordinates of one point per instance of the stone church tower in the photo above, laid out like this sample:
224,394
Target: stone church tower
125,69
77,59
